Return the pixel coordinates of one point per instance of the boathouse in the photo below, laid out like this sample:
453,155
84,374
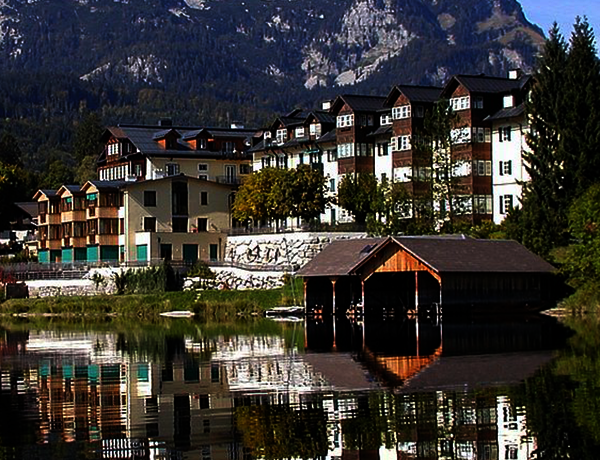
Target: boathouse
412,273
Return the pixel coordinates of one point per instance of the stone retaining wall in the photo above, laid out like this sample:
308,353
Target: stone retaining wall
283,252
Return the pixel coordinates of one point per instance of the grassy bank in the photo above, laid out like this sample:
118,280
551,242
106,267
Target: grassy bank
208,304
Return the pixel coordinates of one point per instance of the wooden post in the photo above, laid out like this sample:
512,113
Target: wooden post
362,295
417,292
305,284
333,281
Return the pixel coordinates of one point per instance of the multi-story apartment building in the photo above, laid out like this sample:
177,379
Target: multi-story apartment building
140,152
172,218
378,135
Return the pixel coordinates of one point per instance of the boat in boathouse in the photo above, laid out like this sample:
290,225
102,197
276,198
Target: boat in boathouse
416,273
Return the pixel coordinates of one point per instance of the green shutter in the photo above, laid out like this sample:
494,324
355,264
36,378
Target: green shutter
190,252
141,252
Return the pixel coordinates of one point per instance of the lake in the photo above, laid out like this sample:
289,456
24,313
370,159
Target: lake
388,388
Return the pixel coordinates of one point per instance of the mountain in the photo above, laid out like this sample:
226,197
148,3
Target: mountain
210,61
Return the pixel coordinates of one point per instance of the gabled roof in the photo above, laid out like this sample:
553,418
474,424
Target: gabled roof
424,94
323,117
164,133
510,112
330,136
358,103
29,207
387,129
73,189
47,192
485,84
442,254
340,257
104,185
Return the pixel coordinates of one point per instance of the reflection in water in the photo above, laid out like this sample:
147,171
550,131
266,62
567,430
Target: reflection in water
380,389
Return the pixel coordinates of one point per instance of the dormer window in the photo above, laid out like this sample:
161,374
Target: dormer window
401,112
345,121
508,101
281,135
299,132
202,144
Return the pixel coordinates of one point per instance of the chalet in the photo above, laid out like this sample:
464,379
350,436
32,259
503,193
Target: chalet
174,218
410,272
140,152
474,99
357,118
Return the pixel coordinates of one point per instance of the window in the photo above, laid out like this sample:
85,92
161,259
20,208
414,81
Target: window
505,167
382,149
282,161
508,101
478,103
506,203
114,149
364,150
481,134
229,146
179,224
203,176
299,132
332,185
203,198
419,111
365,120
202,167
245,169
315,129
344,121
385,119
281,135
345,150
460,103
401,143
482,168
149,224
504,134
461,135
202,144
331,155
401,112
149,198
482,204
202,224
172,169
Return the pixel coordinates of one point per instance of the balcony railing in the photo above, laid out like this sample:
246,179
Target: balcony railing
229,180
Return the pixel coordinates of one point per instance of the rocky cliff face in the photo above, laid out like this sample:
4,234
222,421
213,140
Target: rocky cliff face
303,46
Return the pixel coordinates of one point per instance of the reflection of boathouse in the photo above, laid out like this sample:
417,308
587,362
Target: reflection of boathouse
408,272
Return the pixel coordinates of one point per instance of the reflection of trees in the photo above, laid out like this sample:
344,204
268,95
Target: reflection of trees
277,431
563,400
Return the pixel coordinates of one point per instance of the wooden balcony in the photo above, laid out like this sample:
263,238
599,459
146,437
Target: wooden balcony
78,241
54,219
51,244
107,240
73,216
107,212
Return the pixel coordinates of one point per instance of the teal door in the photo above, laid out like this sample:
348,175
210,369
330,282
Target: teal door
92,254
141,251
190,253
213,251
67,256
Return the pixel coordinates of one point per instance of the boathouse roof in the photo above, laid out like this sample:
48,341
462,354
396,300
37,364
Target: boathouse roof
441,254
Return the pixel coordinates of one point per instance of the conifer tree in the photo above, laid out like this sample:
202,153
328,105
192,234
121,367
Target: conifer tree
543,219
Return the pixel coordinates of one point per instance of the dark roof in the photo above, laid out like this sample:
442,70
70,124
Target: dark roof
471,255
329,136
420,93
324,117
510,112
108,185
29,207
486,84
162,134
387,129
442,254
360,103
340,257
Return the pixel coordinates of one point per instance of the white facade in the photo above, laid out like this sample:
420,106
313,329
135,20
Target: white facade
508,144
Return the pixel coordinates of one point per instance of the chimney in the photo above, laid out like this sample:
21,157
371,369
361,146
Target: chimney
165,122
515,74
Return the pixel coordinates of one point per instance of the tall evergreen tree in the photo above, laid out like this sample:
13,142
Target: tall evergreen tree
582,112
543,219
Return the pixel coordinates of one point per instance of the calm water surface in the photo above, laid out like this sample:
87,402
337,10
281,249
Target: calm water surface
384,388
